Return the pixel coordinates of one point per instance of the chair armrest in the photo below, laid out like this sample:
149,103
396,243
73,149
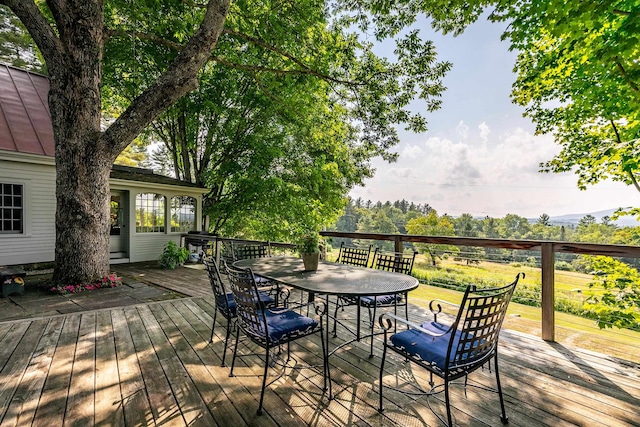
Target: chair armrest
386,324
320,307
280,293
438,309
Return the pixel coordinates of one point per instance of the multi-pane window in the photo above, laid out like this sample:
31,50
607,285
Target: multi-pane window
11,208
150,213
183,213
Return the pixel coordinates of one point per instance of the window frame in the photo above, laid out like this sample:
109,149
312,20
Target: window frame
24,208
194,205
155,228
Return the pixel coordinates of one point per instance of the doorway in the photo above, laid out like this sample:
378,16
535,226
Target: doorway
118,236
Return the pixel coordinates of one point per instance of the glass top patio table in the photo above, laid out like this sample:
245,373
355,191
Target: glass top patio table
330,278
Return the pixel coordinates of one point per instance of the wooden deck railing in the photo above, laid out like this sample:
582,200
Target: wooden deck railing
548,249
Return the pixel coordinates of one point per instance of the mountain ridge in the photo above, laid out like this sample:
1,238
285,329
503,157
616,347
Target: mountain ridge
574,218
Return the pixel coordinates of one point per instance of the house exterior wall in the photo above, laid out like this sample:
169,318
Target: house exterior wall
37,243
149,246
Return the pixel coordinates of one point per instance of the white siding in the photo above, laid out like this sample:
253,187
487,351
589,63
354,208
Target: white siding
37,242
149,246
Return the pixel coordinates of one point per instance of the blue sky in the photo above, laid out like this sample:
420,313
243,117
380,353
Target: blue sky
480,156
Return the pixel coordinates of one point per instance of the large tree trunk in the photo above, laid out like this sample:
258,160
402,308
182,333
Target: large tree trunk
82,217
82,163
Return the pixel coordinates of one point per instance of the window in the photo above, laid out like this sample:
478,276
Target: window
150,212
183,213
11,208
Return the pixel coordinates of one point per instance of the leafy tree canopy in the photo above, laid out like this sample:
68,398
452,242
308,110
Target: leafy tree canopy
432,225
289,111
16,46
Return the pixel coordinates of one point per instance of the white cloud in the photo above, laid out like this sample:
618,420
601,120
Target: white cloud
484,131
494,177
463,130
402,173
481,156
412,152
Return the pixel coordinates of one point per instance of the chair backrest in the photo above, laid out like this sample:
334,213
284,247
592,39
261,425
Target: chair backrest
397,262
217,286
477,326
226,252
247,251
351,255
249,309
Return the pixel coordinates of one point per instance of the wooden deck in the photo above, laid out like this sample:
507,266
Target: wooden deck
153,364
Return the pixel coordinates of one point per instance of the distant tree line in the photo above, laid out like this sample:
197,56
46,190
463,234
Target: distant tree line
403,217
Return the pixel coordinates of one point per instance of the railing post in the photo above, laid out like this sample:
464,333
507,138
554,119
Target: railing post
548,292
216,250
398,244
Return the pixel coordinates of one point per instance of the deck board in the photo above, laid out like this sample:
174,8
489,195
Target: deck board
152,364
108,406
53,398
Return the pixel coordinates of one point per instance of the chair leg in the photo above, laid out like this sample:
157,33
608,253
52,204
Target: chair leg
406,308
447,402
395,312
325,358
235,351
264,381
384,356
503,417
213,326
358,320
373,324
335,319
226,342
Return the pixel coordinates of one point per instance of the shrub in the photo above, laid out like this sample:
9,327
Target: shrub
564,266
173,255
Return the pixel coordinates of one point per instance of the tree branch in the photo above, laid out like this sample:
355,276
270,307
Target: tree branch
621,12
634,181
623,71
299,63
631,175
179,78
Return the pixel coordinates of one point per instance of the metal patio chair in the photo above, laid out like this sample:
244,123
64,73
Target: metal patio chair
225,304
242,251
270,328
250,250
397,262
350,255
456,350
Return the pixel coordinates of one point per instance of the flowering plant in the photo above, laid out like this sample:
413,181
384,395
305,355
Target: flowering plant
111,281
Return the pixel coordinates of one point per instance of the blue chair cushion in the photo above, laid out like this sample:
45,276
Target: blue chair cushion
261,281
370,301
421,346
287,324
432,350
231,304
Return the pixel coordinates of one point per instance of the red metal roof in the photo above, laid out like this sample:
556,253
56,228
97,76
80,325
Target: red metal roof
25,121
